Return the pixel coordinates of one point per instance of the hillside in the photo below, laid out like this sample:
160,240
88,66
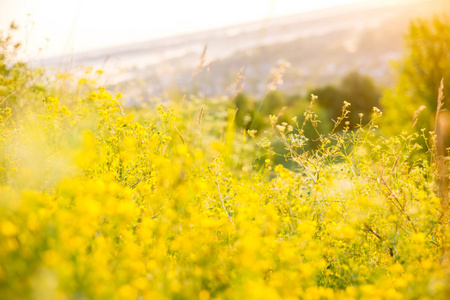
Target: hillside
321,47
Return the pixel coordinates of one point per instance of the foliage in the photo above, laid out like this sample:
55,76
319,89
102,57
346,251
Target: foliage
357,89
16,79
424,63
251,113
98,203
102,201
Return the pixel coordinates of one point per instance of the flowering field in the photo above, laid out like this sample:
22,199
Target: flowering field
101,201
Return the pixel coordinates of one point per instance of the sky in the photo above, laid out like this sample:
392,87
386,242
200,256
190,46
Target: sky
67,26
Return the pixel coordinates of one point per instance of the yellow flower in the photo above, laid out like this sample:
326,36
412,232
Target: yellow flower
273,120
318,188
63,110
93,95
8,228
105,95
251,133
126,292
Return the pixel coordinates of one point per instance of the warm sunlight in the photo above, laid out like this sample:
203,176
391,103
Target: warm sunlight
79,25
225,150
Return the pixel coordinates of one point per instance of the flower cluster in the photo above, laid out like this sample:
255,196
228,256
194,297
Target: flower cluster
100,203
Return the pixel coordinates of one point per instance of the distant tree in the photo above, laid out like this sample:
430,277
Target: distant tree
272,103
253,114
245,109
355,88
425,61
330,98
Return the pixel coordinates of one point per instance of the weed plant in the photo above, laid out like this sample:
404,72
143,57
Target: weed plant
97,202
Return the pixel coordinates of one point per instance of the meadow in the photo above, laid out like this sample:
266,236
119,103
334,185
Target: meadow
103,201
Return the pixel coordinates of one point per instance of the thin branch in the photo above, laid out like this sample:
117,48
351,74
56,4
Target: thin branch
120,106
181,137
396,203
223,204
8,97
370,230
